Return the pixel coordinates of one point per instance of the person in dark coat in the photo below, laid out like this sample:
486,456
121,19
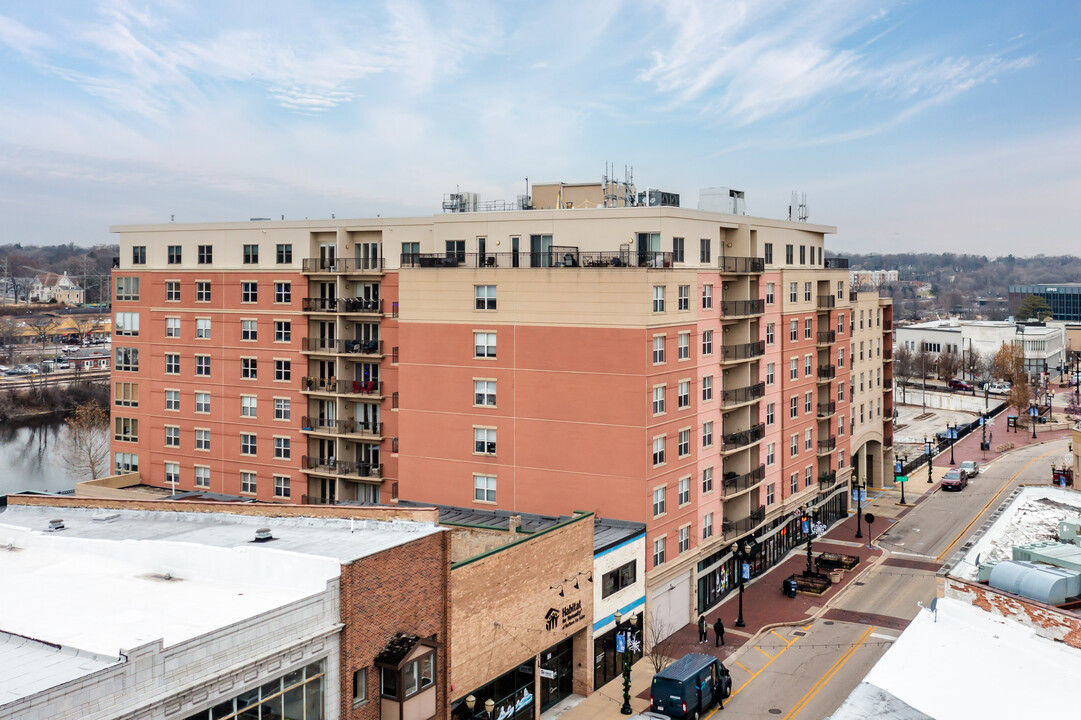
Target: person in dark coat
702,633
718,628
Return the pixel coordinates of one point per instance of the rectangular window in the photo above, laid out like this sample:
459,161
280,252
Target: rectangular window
788,254
771,494
793,483
793,290
840,459
707,342
793,330
793,407
677,249
793,368
808,330
808,439
172,291
615,580
707,388
202,439
172,474
683,394
484,487
484,441
172,364
126,323
172,399
484,344
251,254
172,436
249,330
202,476
658,400
173,255
202,365
840,425
683,346
202,328
840,357
684,539
707,526
841,324
770,373
771,336
658,349
282,448
248,406
202,402
658,298
658,502
281,486
126,429
249,369
807,405
770,293
768,253
658,551
771,454
283,331
247,444
808,364
793,448
172,327
126,394
802,254
840,288
484,392
704,250
247,483
658,450
683,444
202,291
683,299
707,297
206,254
284,254
840,392
282,408
707,480
484,297
283,370
249,292
707,434
127,288
138,255
283,292
807,476
770,413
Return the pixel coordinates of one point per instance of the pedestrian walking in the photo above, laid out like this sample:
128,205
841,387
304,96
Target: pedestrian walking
718,628
702,634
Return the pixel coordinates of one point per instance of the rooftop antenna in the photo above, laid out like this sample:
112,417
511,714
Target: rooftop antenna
172,218
799,204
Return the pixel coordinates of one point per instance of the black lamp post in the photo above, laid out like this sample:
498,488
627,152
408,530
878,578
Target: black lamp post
742,550
952,435
904,461
983,427
1050,407
857,489
1032,417
927,448
628,634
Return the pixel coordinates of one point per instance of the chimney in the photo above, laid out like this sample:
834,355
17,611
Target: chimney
513,523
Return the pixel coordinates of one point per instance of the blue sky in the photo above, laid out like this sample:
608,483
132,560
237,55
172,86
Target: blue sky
920,126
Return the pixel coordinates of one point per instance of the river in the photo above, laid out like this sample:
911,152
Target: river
29,458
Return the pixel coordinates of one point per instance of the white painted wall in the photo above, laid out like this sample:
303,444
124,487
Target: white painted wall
628,600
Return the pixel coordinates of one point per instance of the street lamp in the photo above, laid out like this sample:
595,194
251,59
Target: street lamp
627,632
808,515
927,449
904,461
1032,416
857,490
952,435
1050,407
742,550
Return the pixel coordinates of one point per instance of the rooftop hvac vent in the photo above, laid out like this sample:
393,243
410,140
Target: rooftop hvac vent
55,525
105,517
263,535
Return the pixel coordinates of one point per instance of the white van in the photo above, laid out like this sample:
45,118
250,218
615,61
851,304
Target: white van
998,388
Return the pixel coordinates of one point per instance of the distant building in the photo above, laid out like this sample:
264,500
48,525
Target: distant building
871,278
1064,299
51,287
1045,345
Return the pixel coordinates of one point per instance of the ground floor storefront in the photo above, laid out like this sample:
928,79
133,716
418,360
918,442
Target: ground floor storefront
607,660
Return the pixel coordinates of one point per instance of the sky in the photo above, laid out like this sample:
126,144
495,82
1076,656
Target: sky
911,126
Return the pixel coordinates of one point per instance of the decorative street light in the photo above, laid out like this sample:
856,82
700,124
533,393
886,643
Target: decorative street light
858,491
927,449
1032,413
904,461
952,435
742,550
625,633
1050,407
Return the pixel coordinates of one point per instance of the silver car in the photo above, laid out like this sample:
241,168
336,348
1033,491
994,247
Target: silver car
970,468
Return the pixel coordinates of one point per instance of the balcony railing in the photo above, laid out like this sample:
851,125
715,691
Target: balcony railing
342,305
827,372
738,396
735,528
887,353
826,409
742,265
746,351
826,479
342,264
557,257
342,467
342,347
826,337
827,302
372,388
887,325
827,445
734,482
341,427
836,263
743,438
742,308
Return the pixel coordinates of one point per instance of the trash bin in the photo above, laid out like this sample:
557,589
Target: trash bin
788,587
836,575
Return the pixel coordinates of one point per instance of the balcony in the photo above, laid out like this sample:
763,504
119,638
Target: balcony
735,528
827,409
341,427
827,302
331,346
734,483
887,325
887,354
826,337
836,263
744,438
342,305
746,351
344,468
827,446
342,265
731,309
827,479
370,389
739,396
742,265
565,256
826,373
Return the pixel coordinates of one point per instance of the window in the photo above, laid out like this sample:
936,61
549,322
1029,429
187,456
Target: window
484,488
840,357
677,249
126,429
840,392
202,476
840,426
683,346
615,580
771,337
172,474
707,297
769,293
793,407
172,399
658,298
707,526
684,490
249,369
707,480
126,394
840,288
251,254
484,441
202,328
771,493
793,291
138,255
808,439
283,330
793,330
684,539
683,298
707,434
841,324
484,344
704,250
172,436
770,413
283,292
658,502
172,291
202,402
125,462
283,370
173,254
793,483
248,405
793,368
202,291
840,459
206,254
282,448
202,439
788,254
683,394
793,449
807,476
808,364
771,454
658,450
126,323
247,483
658,400
281,486
127,288
484,296
683,444
284,254
861,350
807,292
282,408
658,551
658,349
484,392
172,364
247,444
707,342
808,331
707,388
249,292
172,327
770,373
768,252
807,402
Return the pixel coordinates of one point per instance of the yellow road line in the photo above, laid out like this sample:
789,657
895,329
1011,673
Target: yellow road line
942,556
764,652
752,677
780,636
743,666
822,681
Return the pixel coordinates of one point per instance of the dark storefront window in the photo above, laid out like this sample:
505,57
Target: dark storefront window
512,693
607,663
621,577
557,673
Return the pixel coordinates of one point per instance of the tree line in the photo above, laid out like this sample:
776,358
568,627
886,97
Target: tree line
90,267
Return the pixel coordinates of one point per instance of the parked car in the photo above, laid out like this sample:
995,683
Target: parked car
689,687
954,480
970,468
960,385
998,388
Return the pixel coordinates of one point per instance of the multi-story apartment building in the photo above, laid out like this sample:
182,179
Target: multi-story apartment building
870,421
612,359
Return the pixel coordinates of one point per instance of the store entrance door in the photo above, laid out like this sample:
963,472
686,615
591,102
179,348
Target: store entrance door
556,673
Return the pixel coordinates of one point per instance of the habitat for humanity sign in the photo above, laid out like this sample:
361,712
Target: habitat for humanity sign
569,615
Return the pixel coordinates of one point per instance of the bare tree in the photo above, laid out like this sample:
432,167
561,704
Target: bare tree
949,364
661,642
973,361
8,336
1009,364
903,369
43,328
85,452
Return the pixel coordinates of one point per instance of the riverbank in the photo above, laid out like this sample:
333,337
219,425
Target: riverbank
32,406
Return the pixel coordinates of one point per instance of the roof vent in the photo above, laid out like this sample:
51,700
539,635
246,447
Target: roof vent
263,535
55,525
105,517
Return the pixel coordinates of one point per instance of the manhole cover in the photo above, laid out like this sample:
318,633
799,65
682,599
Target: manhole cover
774,711
828,622
859,583
799,633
